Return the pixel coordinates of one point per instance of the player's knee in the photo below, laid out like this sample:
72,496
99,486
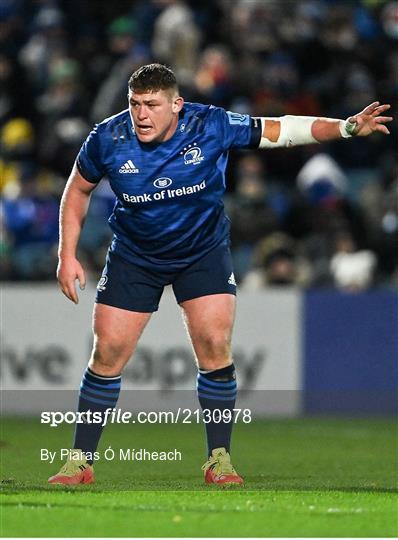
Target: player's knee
108,356
216,351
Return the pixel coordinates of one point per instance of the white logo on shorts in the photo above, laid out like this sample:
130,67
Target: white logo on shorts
101,284
231,279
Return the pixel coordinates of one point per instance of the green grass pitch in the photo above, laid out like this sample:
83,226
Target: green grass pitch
304,478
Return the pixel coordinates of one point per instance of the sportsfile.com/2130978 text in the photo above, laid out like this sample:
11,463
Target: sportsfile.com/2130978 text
117,416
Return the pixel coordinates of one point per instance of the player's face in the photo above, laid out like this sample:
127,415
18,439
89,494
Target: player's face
155,115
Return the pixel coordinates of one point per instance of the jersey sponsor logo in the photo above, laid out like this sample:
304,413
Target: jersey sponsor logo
192,154
238,119
102,283
163,182
164,194
129,168
231,279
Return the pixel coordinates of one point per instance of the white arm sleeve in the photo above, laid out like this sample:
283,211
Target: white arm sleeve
295,130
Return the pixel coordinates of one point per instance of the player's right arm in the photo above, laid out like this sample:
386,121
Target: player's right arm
241,131
295,130
73,210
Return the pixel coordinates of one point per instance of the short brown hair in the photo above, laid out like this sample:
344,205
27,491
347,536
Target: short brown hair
152,78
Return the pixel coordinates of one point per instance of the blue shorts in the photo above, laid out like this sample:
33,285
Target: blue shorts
135,288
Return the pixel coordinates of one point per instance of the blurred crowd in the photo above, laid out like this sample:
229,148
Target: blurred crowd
308,216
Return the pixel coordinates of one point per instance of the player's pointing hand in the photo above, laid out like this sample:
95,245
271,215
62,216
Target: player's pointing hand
69,269
370,120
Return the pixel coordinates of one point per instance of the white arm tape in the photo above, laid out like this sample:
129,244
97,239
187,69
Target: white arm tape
295,130
347,128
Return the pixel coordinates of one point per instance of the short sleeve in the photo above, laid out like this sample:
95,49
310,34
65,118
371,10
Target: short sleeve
237,130
89,161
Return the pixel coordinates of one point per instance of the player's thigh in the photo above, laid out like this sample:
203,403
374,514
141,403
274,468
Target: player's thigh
127,295
209,320
206,292
210,275
116,334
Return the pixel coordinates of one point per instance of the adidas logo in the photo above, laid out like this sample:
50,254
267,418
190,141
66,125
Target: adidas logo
128,168
231,279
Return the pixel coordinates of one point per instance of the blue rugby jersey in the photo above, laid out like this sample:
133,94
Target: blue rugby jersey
169,208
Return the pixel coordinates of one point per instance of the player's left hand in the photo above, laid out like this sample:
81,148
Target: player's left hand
370,120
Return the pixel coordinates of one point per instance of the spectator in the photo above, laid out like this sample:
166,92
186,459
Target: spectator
213,81
251,214
176,39
352,269
18,144
276,263
31,219
320,209
127,54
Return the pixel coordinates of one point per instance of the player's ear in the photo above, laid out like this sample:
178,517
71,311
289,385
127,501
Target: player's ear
178,104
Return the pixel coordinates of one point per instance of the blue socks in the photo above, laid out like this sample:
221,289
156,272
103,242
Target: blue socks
217,390
97,393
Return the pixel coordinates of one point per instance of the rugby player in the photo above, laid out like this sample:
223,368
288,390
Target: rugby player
165,161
